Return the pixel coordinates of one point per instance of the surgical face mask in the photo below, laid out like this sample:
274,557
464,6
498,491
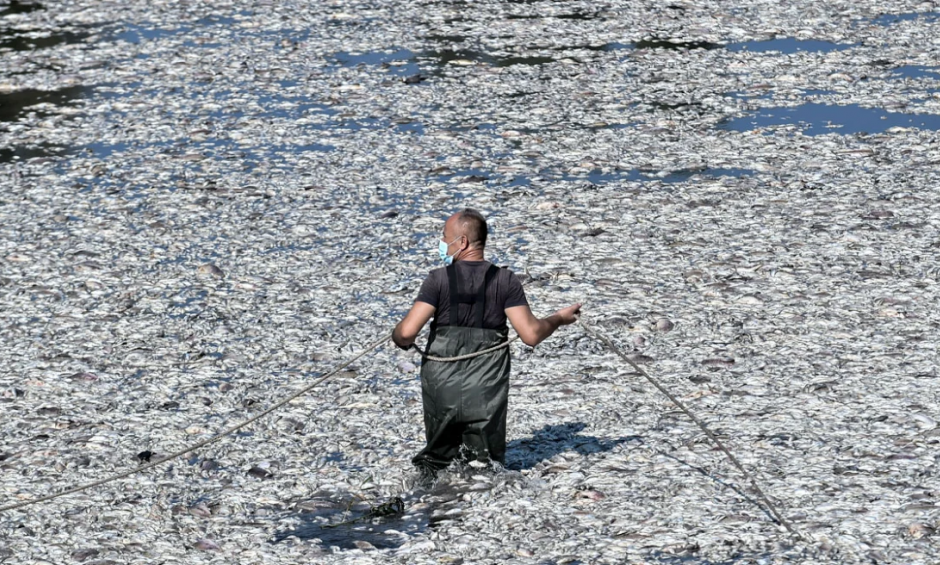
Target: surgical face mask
442,251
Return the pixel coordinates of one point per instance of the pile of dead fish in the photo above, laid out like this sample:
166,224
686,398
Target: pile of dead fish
206,205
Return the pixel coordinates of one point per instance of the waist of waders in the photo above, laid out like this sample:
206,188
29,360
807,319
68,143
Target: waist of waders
451,341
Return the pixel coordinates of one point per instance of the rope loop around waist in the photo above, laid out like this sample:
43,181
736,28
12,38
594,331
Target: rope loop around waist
427,357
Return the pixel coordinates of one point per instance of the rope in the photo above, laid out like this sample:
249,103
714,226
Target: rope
202,443
773,510
241,425
424,354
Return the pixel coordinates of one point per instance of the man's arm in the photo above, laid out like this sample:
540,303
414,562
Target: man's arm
407,330
533,330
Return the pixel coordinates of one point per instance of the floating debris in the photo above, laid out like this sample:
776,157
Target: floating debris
204,205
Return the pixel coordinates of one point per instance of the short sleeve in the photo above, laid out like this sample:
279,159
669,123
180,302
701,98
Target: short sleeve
515,294
430,290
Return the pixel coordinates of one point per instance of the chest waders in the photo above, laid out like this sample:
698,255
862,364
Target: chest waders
465,401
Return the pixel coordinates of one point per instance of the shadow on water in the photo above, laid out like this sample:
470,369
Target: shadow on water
818,119
550,440
14,104
322,519
15,7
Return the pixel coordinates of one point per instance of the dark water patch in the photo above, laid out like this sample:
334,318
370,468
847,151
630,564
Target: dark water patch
583,16
14,7
597,47
768,94
407,63
671,106
916,71
19,40
675,44
137,34
751,94
687,174
400,62
215,19
818,119
11,154
788,45
460,176
447,56
598,177
889,19
322,520
690,556
444,38
15,104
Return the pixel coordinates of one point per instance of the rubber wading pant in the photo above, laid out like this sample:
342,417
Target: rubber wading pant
465,402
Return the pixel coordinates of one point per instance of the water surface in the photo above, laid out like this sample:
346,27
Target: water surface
818,119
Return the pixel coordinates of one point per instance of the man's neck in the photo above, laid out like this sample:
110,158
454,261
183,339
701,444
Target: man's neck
473,255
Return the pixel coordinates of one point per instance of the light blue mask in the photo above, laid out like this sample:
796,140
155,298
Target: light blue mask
442,251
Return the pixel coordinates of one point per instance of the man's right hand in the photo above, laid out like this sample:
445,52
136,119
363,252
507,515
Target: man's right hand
569,315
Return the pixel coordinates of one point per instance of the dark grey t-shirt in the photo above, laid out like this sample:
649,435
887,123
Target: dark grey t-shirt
505,291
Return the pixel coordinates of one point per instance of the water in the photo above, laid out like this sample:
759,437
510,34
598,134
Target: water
675,45
598,177
10,154
15,7
889,19
584,16
789,45
18,40
917,71
404,62
818,119
785,45
14,104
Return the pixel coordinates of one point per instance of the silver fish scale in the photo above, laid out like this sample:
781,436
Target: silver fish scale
205,206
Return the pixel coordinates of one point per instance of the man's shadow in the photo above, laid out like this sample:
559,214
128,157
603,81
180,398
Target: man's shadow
551,440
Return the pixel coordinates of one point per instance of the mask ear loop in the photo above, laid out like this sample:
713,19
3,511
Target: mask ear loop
455,241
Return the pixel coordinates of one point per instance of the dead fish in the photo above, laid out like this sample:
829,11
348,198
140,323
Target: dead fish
83,554
259,473
664,325
719,362
83,376
206,544
210,270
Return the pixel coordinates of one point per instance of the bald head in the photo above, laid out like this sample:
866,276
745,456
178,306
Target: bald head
470,223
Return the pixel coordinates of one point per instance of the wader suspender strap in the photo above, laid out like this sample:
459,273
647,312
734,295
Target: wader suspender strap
479,299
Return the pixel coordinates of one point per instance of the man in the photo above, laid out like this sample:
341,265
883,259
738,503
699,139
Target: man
470,300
